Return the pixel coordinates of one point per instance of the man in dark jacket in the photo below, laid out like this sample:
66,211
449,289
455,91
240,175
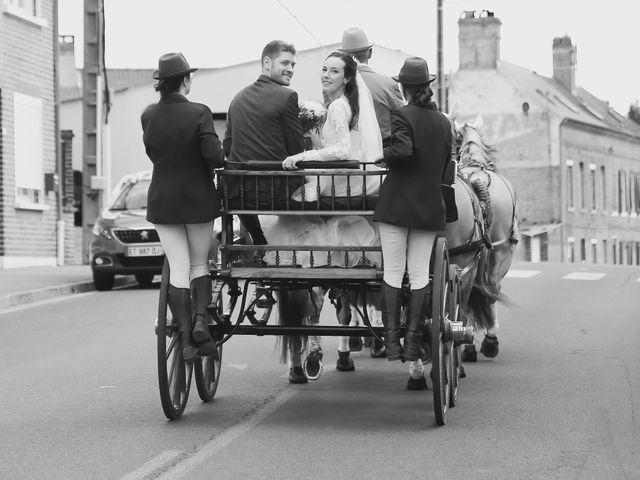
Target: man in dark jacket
384,90
263,124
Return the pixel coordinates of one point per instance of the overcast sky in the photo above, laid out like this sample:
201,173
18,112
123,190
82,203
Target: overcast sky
215,33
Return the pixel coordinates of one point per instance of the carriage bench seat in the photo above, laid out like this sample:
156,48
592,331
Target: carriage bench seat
264,188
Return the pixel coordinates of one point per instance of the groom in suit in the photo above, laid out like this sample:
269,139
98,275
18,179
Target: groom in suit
263,124
384,90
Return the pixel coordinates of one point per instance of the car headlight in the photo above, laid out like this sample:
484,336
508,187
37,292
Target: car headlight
99,230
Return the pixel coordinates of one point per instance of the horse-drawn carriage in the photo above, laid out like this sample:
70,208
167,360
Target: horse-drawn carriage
249,280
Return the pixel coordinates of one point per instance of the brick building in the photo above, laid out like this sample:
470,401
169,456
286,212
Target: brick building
29,207
573,160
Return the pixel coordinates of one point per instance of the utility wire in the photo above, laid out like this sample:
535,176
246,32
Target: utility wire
293,15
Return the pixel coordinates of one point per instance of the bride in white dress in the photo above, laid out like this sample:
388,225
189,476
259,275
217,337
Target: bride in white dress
350,132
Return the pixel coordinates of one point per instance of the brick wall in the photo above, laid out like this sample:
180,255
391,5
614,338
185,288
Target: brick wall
28,237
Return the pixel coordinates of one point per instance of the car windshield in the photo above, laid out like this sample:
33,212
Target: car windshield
132,197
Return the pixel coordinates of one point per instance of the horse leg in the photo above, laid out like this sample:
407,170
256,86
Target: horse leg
416,376
343,312
375,316
489,347
313,366
291,312
355,342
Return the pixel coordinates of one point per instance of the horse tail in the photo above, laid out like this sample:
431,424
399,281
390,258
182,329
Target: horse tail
293,310
484,293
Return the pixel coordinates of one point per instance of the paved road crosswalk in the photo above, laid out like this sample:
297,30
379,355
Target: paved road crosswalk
588,276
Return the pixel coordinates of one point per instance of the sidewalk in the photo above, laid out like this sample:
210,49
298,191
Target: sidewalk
19,286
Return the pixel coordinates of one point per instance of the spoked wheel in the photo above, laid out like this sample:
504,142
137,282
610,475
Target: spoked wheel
456,350
174,373
441,348
224,298
207,370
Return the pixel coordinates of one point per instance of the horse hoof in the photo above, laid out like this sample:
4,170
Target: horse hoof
313,367
463,374
367,342
355,344
296,375
417,384
344,363
469,354
489,347
377,349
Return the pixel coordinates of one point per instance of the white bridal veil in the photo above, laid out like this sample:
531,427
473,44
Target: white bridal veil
371,147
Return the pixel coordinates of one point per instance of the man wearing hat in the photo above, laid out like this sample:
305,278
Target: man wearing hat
386,98
384,91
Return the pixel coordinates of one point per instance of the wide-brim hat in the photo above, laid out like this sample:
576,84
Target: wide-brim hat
354,40
172,65
414,71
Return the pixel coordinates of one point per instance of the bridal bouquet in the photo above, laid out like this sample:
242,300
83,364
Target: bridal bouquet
312,116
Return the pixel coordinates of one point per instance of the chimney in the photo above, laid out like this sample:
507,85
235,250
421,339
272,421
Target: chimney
67,73
564,62
479,40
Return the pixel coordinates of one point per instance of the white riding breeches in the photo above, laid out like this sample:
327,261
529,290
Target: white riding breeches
187,249
406,249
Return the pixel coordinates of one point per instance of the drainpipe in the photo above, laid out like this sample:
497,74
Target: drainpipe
60,228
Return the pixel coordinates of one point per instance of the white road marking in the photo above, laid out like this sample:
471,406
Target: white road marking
209,449
584,276
239,366
107,386
522,273
153,465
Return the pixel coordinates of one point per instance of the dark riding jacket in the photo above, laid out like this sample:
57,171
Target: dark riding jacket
182,144
420,150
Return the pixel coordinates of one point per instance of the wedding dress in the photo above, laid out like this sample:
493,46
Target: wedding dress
337,142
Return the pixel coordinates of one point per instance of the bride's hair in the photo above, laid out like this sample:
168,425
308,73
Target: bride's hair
351,88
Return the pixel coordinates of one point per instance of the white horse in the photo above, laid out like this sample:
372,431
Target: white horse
477,166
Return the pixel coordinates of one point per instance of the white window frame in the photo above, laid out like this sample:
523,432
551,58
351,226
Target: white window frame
16,9
28,135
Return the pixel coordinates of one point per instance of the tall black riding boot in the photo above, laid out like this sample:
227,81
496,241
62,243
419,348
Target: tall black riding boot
180,305
200,298
415,324
391,305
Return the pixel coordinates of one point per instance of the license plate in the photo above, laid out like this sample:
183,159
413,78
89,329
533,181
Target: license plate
144,251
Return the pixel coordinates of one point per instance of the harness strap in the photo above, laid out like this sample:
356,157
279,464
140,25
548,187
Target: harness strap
477,245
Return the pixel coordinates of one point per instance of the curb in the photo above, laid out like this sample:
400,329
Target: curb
47,293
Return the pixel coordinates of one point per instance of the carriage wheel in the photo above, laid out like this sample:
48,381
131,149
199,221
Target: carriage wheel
224,298
174,374
440,348
455,297
207,373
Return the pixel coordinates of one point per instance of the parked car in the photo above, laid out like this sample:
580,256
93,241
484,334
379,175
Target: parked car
123,242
